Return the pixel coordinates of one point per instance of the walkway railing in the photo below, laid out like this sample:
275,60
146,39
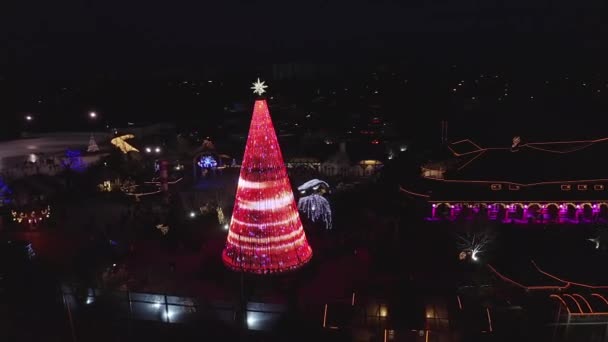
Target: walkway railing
167,308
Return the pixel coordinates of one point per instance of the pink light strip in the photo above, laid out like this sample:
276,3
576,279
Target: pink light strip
567,281
578,305
532,145
471,160
513,183
509,280
413,193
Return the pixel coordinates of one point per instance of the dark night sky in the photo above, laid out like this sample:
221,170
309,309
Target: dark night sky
134,40
70,37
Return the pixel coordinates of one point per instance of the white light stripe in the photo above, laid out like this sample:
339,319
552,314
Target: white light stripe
268,204
259,240
293,218
284,246
243,183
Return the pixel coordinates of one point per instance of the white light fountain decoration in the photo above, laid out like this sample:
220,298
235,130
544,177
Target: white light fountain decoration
315,206
473,245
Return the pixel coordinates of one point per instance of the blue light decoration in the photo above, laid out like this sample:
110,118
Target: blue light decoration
207,162
5,192
73,160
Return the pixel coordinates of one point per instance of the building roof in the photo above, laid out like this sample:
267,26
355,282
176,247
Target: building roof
481,191
530,162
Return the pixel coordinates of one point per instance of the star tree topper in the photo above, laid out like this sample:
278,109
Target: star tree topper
259,87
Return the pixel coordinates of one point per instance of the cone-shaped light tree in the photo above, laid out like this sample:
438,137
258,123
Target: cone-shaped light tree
266,234
92,145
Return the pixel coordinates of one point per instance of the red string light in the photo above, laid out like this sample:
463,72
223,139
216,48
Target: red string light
266,234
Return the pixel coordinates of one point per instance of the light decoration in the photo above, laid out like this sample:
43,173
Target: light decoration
208,144
106,186
558,211
121,143
265,233
207,162
600,237
595,241
547,146
164,229
5,192
31,217
314,184
316,207
515,143
565,284
473,244
92,148
73,160
221,219
259,87
131,189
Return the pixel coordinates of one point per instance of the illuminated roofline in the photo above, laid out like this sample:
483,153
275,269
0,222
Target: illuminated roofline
520,285
413,193
578,305
537,146
601,297
519,184
563,302
584,301
549,202
531,145
567,281
581,312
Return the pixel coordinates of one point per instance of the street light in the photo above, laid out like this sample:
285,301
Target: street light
92,115
29,118
157,150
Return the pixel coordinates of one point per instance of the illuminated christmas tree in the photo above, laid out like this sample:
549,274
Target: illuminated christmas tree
92,145
266,233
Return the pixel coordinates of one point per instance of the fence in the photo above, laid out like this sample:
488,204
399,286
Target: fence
167,308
